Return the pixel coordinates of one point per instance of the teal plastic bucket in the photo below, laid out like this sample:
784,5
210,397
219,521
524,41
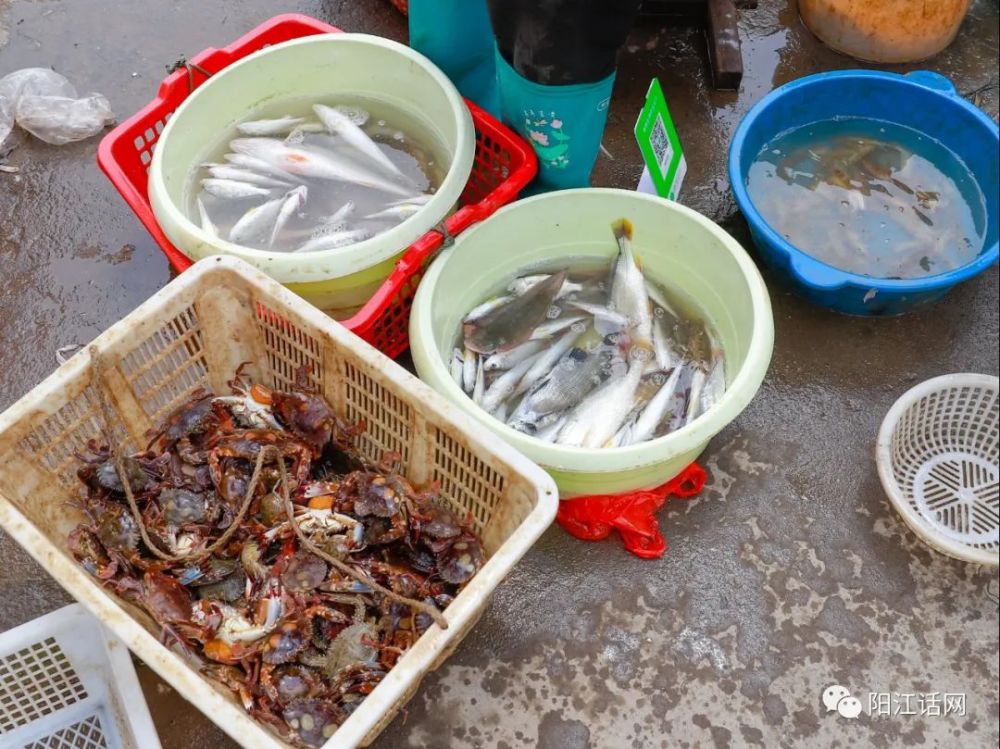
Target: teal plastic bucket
677,247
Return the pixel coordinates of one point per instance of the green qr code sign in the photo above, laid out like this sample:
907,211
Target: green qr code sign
659,144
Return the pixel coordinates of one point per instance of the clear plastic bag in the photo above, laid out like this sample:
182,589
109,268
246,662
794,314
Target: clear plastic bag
47,105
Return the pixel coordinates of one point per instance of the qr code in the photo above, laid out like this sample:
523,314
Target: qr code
662,149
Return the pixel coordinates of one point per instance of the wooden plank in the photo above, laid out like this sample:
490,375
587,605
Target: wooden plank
724,44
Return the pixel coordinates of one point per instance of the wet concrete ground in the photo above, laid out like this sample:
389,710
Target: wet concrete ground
789,573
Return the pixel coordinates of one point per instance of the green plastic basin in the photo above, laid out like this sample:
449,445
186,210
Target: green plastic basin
677,247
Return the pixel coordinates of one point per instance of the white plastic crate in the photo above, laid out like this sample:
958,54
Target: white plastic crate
67,683
194,333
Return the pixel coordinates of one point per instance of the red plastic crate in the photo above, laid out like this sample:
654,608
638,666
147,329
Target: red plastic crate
503,165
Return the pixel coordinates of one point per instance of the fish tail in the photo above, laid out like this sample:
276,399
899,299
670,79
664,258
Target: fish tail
622,228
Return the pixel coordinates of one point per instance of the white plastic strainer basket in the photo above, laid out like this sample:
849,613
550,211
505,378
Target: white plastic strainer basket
68,683
937,459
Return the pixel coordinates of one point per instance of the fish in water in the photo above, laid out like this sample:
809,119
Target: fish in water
228,189
590,359
512,323
338,123
275,126
311,162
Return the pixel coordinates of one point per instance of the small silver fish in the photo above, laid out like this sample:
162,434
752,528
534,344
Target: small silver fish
520,285
550,328
572,377
230,190
504,385
206,221
655,410
479,388
549,432
596,419
546,362
628,291
259,165
715,386
615,320
338,123
698,379
256,222
457,366
663,355
399,212
476,312
235,173
470,364
334,240
507,359
292,202
415,200
274,126
309,162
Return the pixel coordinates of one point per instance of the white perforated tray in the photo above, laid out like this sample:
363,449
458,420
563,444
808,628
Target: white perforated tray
68,683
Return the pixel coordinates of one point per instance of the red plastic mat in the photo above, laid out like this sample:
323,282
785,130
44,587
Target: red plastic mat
503,165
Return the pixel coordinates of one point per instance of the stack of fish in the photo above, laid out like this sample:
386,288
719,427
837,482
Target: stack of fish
285,162
589,360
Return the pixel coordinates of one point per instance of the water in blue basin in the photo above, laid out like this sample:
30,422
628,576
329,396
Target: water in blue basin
870,197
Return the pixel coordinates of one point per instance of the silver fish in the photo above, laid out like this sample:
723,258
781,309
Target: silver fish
511,324
698,379
399,212
231,190
227,171
504,385
415,200
206,221
655,410
334,240
292,202
596,419
549,432
507,359
628,292
338,123
309,162
469,366
715,386
476,312
256,222
623,437
479,388
545,363
663,354
573,377
457,366
501,412
259,165
520,285
616,320
270,127
550,328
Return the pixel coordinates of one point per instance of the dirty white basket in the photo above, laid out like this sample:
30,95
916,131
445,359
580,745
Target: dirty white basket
937,458
66,683
195,332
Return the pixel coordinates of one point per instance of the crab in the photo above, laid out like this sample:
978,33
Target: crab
246,444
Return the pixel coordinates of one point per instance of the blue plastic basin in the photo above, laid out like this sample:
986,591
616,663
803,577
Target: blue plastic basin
924,101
